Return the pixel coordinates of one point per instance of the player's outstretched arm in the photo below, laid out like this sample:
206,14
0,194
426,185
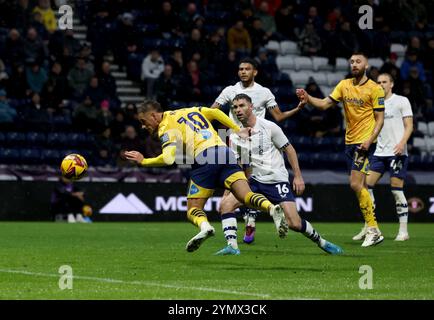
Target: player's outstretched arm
167,158
298,183
322,104
278,115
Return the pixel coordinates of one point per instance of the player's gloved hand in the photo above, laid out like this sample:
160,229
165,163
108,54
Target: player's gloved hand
134,156
298,185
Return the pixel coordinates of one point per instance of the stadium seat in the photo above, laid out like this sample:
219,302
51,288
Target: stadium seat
9,155
288,47
431,128
273,46
333,78
321,63
285,62
322,144
320,78
299,78
398,48
342,65
30,156
376,62
430,144
423,127
57,139
326,90
77,139
303,63
302,143
36,138
15,138
50,156
420,143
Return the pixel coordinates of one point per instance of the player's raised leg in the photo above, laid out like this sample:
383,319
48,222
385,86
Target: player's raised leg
241,190
297,224
401,207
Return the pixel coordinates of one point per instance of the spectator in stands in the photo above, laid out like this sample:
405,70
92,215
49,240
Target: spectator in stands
7,113
314,18
390,67
39,26
267,19
106,150
50,98
176,60
130,141
105,116
48,16
71,43
267,68
285,22
152,66
99,32
68,61
131,117
187,17
168,21
79,78
106,81
4,77
328,41
239,39
124,33
34,48
34,115
36,77
17,86
94,91
229,68
373,73
216,49
309,40
258,35
85,116
21,15
194,44
347,43
166,87
14,48
68,202
191,83
117,126
410,62
58,79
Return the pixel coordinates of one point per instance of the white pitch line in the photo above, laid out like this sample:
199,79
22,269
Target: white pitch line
143,283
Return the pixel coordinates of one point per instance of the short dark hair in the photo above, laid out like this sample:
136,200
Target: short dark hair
360,53
240,96
253,62
387,75
149,105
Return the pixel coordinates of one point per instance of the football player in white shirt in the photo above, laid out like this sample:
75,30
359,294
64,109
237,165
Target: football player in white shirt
263,100
263,153
391,152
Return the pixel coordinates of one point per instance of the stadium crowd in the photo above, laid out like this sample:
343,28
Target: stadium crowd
54,87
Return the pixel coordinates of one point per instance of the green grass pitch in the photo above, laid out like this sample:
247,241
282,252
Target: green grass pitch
149,261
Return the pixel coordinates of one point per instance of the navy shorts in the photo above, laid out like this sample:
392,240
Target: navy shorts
358,160
214,167
397,165
275,192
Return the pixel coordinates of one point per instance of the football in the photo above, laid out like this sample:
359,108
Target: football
73,166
